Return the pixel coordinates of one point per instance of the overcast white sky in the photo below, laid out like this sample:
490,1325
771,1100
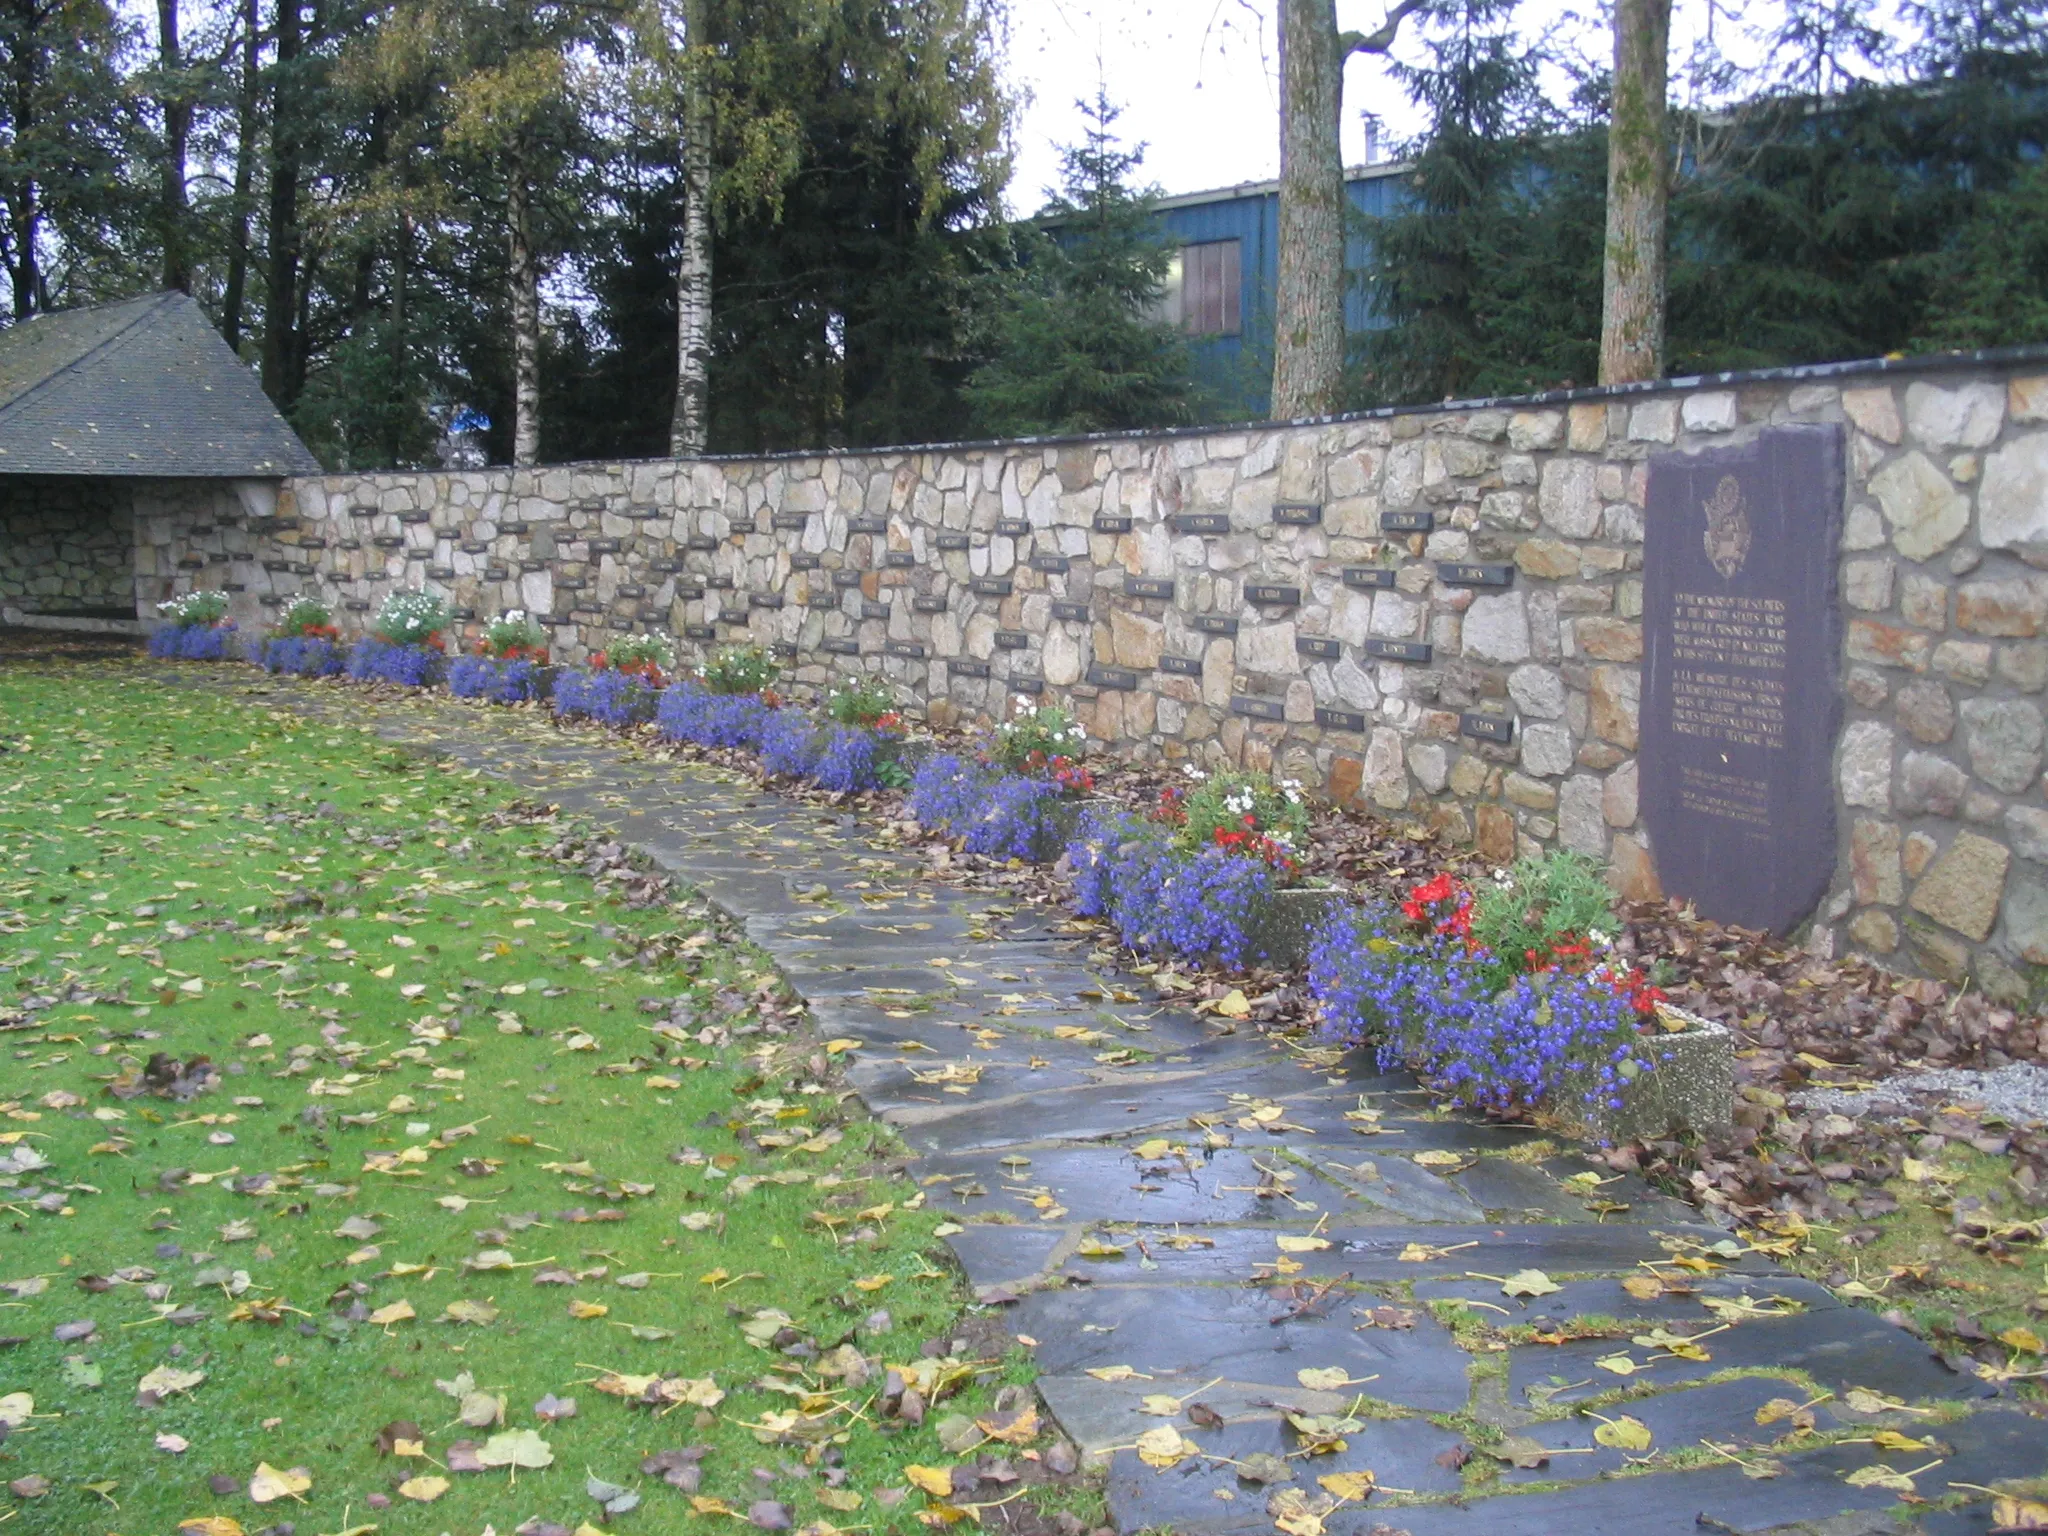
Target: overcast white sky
1196,78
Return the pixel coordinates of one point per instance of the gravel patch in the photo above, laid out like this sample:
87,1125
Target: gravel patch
2016,1094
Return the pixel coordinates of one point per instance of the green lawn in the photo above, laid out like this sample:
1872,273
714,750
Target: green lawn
473,1132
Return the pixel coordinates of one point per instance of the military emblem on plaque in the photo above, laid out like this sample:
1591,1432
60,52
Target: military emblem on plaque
1727,528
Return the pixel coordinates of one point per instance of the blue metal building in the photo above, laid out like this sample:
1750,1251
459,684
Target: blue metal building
1220,290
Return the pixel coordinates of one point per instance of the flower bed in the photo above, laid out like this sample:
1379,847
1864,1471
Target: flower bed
196,627
300,656
499,680
610,698
371,660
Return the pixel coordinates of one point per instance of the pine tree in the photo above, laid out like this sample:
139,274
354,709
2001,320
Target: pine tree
1072,334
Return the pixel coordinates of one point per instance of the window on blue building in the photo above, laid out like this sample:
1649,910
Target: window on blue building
1203,289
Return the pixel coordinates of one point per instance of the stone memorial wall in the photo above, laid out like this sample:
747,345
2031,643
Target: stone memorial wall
1438,613
67,545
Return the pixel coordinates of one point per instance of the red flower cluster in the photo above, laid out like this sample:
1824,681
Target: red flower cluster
1172,808
647,669
888,720
1253,843
537,654
1427,903
1566,954
313,632
1635,986
1064,771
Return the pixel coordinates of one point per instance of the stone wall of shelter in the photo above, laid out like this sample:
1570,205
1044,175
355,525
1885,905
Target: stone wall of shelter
67,544
1435,612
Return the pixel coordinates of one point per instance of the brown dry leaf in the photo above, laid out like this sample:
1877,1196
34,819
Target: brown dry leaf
1298,1512
1643,1287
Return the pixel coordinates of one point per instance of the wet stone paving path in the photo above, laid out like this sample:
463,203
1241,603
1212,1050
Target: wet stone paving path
1261,1247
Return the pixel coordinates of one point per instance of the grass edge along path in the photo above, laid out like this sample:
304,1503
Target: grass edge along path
517,1143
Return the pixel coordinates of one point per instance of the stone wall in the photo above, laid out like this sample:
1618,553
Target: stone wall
67,544
1437,612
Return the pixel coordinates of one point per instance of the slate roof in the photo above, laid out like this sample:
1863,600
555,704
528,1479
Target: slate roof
145,387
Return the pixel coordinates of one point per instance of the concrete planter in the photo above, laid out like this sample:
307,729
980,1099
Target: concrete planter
1691,1087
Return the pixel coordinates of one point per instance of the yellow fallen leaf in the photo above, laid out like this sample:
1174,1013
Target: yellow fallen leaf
273,1483
1620,1365
1437,1157
936,1481
1324,1378
1116,1373
210,1525
423,1490
1892,1440
587,1309
2014,1514
2024,1339
1643,1287
841,1499
1157,1147
1349,1485
1290,1243
1164,1447
872,1282
1529,1282
385,972
1623,1434
398,1312
16,1409
1095,1248
1234,1005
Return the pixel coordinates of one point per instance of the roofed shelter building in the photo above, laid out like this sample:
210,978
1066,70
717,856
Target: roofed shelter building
127,429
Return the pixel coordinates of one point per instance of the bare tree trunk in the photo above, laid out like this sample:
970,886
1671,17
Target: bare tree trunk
245,170
693,270
1308,334
1638,182
23,209
281,334
176,105
525,323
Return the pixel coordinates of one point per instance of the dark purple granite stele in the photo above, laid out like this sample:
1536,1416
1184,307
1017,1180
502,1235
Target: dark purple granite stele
1740,644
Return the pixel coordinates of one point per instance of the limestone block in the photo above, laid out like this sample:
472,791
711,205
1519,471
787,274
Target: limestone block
1267,648
1607,639
1875,411
1930,785
1866,765
1963,661
1581,817
1547,750
1619,796
1653,421
1568,499
2003,738
1547,559
1962,416
1874,862
2012,606
2012,501
1386,774
1925,712
1616,703
1496,628
1963,887
1430,764
1926,512
1867,584
1713,412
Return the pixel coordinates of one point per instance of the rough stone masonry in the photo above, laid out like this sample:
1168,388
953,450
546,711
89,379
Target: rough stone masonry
1434,612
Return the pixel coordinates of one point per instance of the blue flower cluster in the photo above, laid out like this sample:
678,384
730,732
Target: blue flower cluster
1554,1039
608,697
191,642
299,656
693,713
947,787
791,743
1204,905
996,814
851,761
371,660
496,681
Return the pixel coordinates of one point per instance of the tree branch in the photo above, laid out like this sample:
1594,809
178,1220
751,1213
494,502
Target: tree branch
1349,43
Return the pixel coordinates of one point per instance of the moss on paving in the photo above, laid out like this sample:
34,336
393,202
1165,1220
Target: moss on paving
425,1023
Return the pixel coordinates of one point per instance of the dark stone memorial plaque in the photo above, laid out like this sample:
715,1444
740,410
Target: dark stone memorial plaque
1474,573
947,541
1213,623
1407,522
1271,596
840,645
1740,704
1341,720
733,616
1052,564
382,541
1012,640
1012,527
1298,514
803,562
1184,666
689,590
1025,682
722,583
846,578
766,599
604,546
357,605
1201,522
1072,612
867,525
1149,586
665,566
633,590
1120,678
821,597
913,649
699,632
927,605
1110,522
870,609
415,517
1487,727
1318,645
990,586
899,558
1398,650
795,522
700,541
782,650
1258,709
959,668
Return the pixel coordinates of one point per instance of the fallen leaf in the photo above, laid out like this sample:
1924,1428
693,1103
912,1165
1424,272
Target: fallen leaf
1117,1373
1529,1282
1351,1486
1323,1378
423,1490
936,1481
1164,1447
1288,1243
2015,1514
272,1483
516,1448
1623,1434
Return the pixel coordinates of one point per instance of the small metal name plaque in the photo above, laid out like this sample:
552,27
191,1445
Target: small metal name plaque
846,578
1368,576
1181,666
914,649
1012,527
794,521
961,668
1148,586
897,559
927,605
700,541
782,650
840,645
389,541
870,609
952,541
733,616
1055,565
1024,682
1407,522
1398,650
1202,522
664,566
570,583
699,632
605,546
1012,640
766,600
689,589
1340,720
1074,612
1275,597
1113,677
1317,645
1488,727
415,517
803,562
1214,624
867,525
1298,514
1473,573
722,583
1258,709
991,586
1109,522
